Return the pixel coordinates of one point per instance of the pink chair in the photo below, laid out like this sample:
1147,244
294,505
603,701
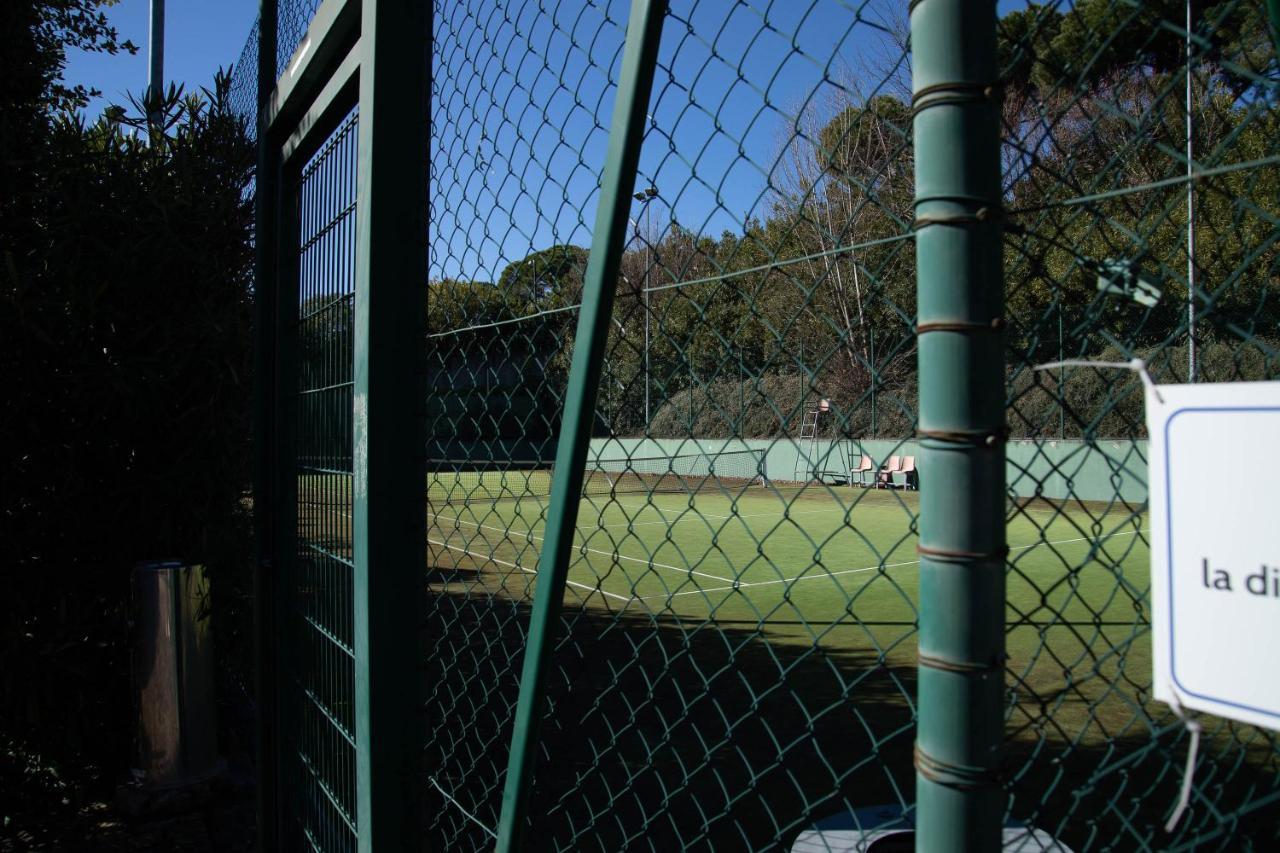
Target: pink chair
865,467
884,478
910,477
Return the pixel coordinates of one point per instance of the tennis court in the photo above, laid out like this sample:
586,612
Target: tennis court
807,563
780,577
734,549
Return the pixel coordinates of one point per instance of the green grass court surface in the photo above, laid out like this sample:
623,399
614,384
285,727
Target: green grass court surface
832,566
812,563
784,555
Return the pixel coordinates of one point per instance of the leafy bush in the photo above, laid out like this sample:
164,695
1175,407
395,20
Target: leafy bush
124,325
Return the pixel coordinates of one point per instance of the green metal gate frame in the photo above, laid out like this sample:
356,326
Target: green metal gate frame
368,56
371,55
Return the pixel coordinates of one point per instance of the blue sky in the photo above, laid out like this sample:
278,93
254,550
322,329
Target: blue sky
517,157
518,170
521,107
200,36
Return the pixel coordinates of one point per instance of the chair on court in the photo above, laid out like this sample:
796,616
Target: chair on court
884,478
910,476
865,467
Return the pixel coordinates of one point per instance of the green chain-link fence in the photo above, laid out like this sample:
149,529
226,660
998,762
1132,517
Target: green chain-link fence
1142,188
722,499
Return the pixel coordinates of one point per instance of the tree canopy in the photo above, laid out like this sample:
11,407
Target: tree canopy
822,289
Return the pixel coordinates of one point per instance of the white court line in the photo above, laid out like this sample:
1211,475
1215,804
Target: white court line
669,521
613,554
750,515
480,556
681,511
878,566
699,511
775,581
1077,539
1065,514
1071,512
847,510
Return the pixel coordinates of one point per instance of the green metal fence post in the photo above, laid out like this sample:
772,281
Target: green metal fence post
284,562
266,198
388,453
640,56
956,97
875,378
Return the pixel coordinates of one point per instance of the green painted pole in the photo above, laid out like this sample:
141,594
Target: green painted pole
875,378
1062,376
644,31
155,61
959,798
288,226
266,198
388,453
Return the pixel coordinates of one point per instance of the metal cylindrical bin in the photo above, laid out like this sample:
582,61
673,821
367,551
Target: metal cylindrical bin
173,674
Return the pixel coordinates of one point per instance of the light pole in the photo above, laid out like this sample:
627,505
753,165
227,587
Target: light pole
1062,403
644,197
1191,222
155,80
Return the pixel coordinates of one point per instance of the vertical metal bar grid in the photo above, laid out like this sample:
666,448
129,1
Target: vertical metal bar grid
317,684
962,548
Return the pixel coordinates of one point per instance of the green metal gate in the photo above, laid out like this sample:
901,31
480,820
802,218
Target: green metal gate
341,244
546,292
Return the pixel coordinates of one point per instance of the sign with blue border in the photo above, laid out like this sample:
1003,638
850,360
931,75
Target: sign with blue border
1215,547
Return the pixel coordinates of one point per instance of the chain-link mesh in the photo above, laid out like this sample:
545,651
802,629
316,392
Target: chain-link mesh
244,82
292,18
1142,181
519,107
736,657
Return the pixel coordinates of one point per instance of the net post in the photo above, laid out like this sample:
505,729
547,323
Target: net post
388,450
639,59
266,392
956,96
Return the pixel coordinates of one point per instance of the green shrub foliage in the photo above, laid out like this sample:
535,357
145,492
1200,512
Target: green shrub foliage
124,329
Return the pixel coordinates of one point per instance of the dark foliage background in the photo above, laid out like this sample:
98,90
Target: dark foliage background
125,257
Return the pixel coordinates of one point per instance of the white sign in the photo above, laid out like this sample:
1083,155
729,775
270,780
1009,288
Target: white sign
1215,547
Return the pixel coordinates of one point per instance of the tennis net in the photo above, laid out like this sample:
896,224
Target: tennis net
472,480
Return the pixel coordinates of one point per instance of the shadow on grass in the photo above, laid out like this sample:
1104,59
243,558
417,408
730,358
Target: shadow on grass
670,734
659,733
